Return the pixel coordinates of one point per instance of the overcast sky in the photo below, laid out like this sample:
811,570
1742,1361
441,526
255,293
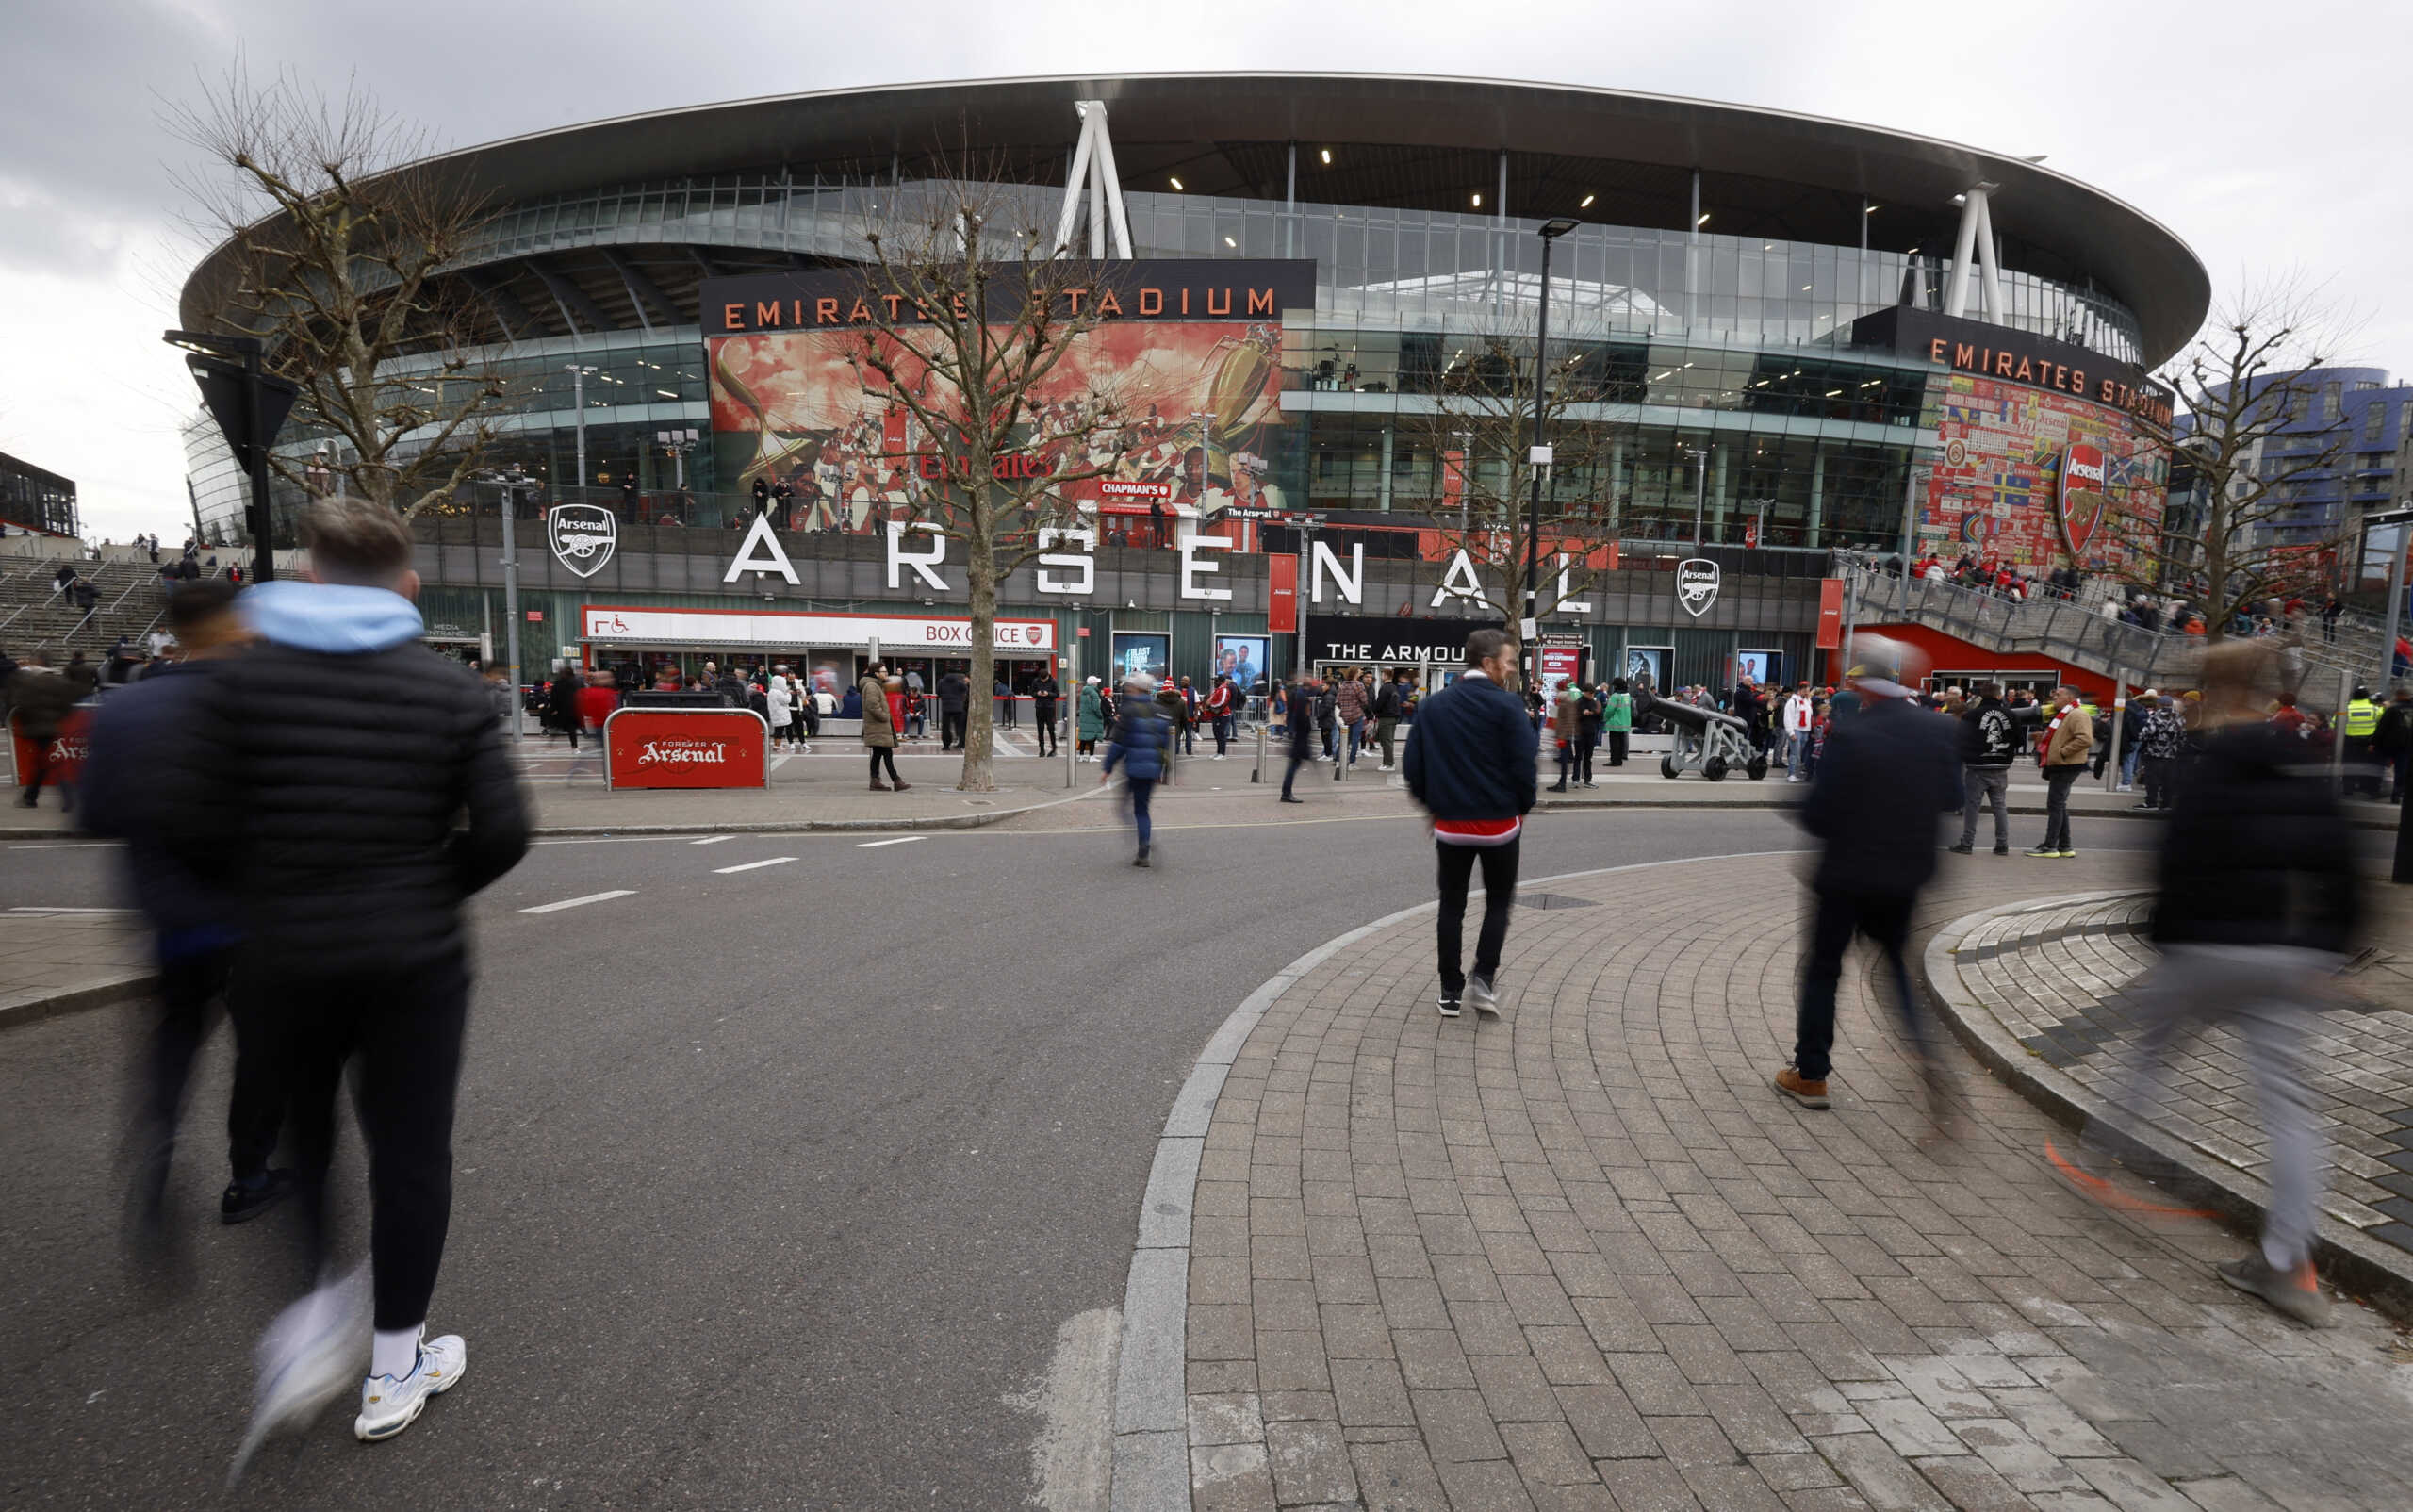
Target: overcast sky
2272,140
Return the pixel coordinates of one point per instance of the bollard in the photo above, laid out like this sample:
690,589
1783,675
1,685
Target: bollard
1257,773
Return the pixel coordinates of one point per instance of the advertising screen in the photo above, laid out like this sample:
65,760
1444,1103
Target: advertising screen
1149,651
1646,667
1241,658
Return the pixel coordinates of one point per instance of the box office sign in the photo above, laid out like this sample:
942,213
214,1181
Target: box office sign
686,749
902,634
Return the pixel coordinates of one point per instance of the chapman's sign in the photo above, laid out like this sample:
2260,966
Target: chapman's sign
1147,290
2014,356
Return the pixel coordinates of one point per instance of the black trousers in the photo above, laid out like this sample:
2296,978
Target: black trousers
1043,719
883,756
1583,750
1457,866
1290,772
950,727
2058,782
1617,746
191,984
1885,918
403,1030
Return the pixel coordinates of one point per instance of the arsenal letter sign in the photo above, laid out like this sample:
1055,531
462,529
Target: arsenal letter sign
686,748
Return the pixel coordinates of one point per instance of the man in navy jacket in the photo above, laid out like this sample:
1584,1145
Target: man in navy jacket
1471,766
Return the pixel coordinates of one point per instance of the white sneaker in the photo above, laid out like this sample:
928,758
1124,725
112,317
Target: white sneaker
1482,998
306,1358
387,1405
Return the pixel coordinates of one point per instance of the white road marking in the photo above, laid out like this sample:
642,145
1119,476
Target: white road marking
901,840
709,840
66,844
753,865
576,902
64,909
777,761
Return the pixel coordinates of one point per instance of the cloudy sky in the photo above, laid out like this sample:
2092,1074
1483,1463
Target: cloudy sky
2273,140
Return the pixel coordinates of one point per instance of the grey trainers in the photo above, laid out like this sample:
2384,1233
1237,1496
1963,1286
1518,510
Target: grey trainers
1449,1003
1482,998
2297,1293
388,1405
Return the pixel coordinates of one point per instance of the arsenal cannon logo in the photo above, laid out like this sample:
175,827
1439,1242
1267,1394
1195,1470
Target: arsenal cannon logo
582,537
1696,585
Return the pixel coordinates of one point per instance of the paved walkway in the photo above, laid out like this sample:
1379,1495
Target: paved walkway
52,959
2048,978
1583,1257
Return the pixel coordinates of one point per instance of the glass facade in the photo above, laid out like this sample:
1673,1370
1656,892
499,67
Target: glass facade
34,498
1727,383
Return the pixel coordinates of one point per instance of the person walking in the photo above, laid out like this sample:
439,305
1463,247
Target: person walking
40,697
1988,741
1218,708
1302,734
1390,699
779,706
1472,768
955,702
1564,722
2258,903
1089,721
1174,710
1189,718
1800,711
1045,692
2161,741
1616,719
1327,700
1881,784
2069,734
195,933
1003,692
1587,731
1143,740
2393,742
1350,702
334,825
879,729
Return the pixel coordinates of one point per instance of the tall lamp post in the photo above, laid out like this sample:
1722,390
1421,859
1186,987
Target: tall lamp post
250,406
1538,457
578,401
512,484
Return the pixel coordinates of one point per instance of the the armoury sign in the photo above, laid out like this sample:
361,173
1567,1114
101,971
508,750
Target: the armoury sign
583,537
1147,290
1696,581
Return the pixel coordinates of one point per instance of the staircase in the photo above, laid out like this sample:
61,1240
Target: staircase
33,617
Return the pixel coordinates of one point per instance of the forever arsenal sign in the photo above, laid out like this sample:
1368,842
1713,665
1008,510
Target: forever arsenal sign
686,748
67,748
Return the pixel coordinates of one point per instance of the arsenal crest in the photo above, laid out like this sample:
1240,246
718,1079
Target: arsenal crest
582,535
2084,495
1695,586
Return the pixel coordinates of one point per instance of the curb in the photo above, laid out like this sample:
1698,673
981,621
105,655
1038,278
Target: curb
2026,810
2356,1262
1151,1424
769,827
106,993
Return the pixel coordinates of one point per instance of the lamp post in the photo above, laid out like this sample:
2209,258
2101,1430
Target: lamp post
578,401
511,484
250,406
1538,457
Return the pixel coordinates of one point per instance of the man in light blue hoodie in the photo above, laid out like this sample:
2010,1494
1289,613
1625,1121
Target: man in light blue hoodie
330,764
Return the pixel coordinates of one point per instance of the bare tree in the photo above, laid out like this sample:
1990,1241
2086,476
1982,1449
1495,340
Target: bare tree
1481,430
970,321
2258,427
333,229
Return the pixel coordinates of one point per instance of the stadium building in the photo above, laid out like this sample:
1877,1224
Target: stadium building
1814,334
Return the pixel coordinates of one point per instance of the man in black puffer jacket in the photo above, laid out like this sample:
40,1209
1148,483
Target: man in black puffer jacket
329,764
2259,903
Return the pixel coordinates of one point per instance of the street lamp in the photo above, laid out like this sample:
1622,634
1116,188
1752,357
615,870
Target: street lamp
578,401
512,484
1540,458
250,406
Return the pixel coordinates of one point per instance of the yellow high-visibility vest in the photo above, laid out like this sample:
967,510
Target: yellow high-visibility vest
2362,718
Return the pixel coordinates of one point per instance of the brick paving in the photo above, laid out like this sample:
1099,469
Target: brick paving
2052,977
1581,1258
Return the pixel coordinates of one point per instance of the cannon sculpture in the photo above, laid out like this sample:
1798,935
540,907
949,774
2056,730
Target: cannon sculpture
1714,742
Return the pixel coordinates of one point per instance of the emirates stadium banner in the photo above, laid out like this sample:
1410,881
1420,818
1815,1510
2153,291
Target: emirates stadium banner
1178,385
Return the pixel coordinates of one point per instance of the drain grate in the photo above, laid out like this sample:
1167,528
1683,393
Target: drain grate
1554,900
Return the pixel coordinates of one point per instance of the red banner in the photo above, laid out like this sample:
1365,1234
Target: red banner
1454,479
1830,613
686,748
66,751
1282,611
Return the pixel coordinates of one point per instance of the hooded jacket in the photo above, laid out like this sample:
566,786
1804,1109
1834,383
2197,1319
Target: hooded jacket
328,766
1989,734
1886,775
2257,852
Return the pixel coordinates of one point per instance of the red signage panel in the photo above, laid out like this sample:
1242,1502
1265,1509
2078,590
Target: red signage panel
67,749
686,748
1282,612
1830,613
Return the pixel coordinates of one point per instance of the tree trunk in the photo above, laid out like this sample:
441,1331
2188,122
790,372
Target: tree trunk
979,724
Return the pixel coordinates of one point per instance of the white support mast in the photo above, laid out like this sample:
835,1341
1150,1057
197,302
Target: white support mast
1093,177
1973,249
